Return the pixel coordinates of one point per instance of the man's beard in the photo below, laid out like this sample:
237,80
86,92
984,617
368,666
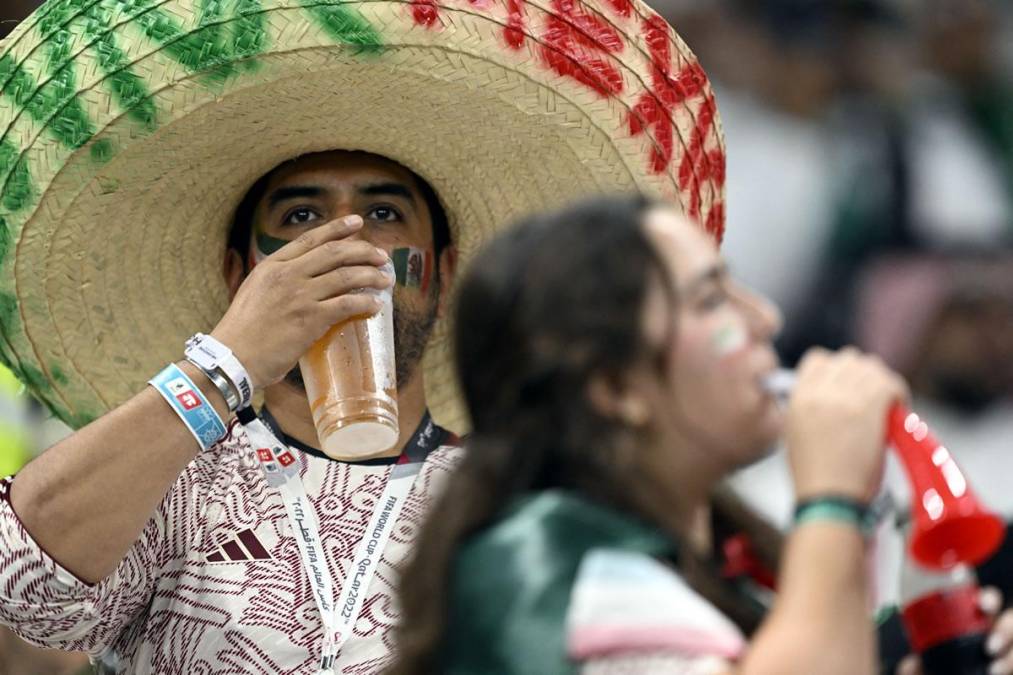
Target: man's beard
411,334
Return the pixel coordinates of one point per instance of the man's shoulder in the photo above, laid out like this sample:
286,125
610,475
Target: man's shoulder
446,457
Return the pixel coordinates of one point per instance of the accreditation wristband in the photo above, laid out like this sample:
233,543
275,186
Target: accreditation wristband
209,355
281,470
187,401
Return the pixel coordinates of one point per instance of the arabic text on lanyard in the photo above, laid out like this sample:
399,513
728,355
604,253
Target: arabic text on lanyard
281,470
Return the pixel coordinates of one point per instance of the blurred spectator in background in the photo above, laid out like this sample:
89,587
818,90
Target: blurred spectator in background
945,321
923,144
859,128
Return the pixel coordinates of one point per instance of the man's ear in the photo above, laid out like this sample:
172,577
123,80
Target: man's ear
234,271
448,271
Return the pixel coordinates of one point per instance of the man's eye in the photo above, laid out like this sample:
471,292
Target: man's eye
386,214
301,217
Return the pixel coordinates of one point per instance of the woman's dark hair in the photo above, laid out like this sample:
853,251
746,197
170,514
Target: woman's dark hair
546,307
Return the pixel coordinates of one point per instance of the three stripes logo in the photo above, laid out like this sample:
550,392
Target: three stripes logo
243,546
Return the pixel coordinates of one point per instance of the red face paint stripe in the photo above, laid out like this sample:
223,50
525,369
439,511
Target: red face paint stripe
427,271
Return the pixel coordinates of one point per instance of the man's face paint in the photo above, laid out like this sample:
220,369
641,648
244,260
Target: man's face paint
728,339
413,267
263,246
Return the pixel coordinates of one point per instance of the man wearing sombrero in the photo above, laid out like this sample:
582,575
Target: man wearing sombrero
143,142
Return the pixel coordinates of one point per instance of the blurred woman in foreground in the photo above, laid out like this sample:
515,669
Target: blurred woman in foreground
614,374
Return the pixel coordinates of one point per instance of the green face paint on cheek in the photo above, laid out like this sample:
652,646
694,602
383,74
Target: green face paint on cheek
728,339
264,245
413,267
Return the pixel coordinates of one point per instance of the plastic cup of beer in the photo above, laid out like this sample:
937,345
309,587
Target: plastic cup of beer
351,384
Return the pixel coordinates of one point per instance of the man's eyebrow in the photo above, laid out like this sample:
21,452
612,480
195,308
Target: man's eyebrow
715,273
293,192
390,189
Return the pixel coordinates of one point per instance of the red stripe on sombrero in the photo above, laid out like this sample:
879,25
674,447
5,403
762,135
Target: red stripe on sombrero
654,109
623,7
425,12
572,37
514,32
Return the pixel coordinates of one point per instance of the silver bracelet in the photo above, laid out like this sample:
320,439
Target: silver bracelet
224,386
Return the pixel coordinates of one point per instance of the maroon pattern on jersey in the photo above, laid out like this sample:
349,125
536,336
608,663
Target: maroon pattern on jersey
167,609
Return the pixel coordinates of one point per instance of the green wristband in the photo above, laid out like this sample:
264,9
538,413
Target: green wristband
838,509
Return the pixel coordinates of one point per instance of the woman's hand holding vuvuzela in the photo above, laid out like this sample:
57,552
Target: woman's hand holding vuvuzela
836,423
835,433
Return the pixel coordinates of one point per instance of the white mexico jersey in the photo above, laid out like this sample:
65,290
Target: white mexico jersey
215,584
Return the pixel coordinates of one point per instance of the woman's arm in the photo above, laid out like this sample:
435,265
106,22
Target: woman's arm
821,619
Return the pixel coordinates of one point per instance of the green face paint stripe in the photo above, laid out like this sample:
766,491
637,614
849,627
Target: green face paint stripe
399,257
728,339
345,25
267,244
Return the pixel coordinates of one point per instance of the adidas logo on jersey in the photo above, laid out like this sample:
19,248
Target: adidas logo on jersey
242,546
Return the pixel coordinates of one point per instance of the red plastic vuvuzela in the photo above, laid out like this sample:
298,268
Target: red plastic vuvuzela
950,525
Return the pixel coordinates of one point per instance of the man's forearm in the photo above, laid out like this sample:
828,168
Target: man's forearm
87,499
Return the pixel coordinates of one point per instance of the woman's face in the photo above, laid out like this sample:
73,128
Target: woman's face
719,350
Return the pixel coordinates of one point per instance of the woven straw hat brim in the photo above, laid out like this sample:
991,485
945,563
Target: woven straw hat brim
130,130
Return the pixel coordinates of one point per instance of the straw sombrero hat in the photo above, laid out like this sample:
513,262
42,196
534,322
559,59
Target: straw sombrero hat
130,130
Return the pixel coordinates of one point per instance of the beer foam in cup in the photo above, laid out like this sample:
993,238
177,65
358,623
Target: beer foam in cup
368,438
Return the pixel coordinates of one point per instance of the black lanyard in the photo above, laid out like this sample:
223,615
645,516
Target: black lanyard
427,437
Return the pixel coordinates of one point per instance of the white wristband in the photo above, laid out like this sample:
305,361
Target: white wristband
210,355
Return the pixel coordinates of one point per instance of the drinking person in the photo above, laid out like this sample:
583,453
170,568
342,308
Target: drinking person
240,173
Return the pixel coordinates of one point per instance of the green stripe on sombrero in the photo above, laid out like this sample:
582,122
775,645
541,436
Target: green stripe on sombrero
211,50
129,90
18,191
72,126
345,25
49,84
